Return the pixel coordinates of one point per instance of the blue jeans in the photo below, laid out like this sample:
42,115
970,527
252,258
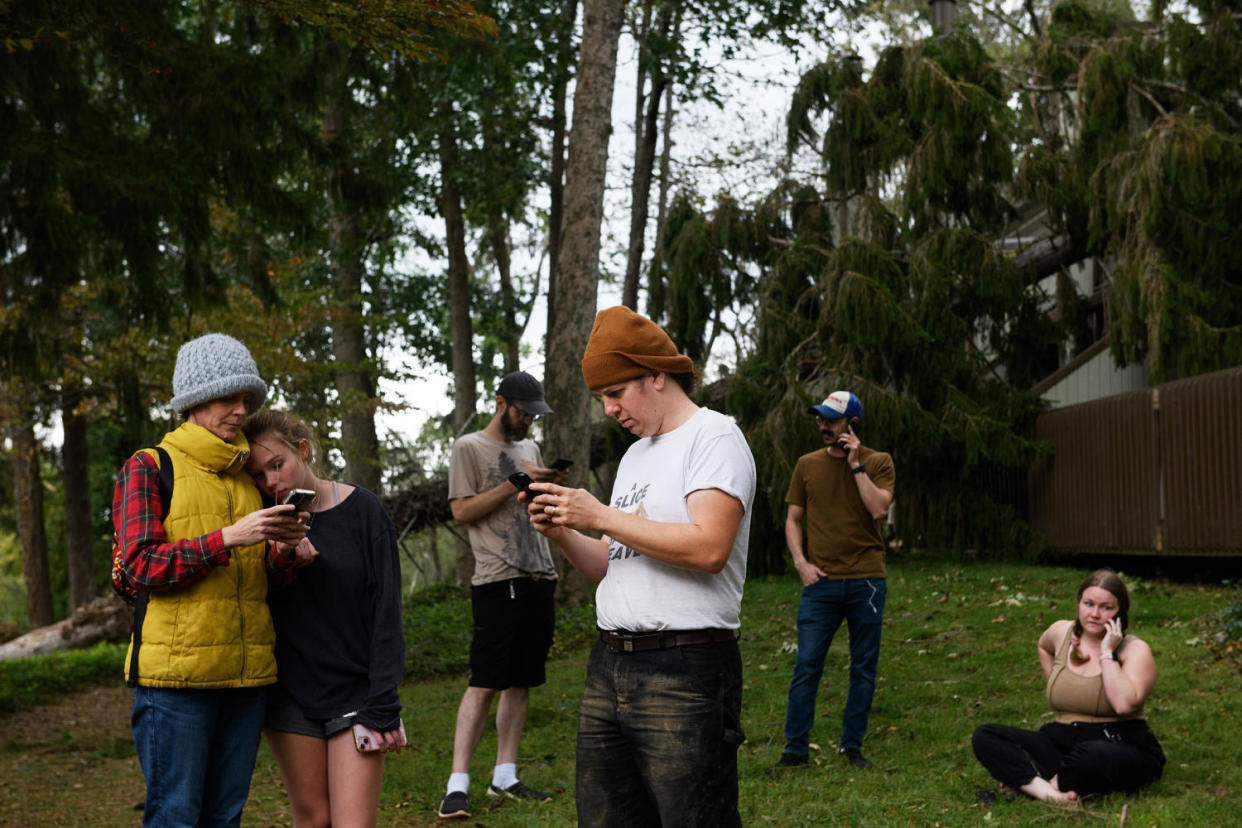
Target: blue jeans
658,737
859,602
197,750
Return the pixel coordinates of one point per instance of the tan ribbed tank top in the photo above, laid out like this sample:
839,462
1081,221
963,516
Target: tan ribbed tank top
1077,698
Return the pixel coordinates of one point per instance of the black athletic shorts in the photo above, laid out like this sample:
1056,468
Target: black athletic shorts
513,625
284,714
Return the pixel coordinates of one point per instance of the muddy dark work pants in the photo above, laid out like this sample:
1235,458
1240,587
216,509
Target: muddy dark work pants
658,737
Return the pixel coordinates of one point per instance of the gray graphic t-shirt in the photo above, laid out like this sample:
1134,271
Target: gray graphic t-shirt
504,544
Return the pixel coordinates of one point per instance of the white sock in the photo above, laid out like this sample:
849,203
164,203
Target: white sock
504,776
458,782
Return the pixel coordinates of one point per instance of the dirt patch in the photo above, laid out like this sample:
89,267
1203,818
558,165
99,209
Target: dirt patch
71,763
94,715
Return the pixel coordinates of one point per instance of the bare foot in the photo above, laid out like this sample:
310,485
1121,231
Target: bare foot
1047,791
1070,796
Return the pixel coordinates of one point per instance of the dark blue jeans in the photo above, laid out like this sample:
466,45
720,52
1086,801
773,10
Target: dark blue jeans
658,737
859,602
197,750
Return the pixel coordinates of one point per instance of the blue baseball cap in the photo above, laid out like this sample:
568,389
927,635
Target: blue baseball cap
836,405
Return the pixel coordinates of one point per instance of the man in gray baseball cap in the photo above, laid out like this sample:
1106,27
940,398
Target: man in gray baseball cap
511,590
194,548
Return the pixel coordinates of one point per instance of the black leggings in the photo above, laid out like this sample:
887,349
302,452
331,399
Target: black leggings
1086,758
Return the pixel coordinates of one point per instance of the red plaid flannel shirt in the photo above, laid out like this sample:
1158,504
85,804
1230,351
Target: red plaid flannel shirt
152,564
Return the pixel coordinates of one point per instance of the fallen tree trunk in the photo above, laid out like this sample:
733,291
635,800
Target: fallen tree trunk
103,619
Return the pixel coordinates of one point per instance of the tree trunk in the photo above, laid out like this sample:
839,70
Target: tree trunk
498,240
575,291
74,453
28,497
498,237
640,192
103,619
646,134
655,271
461,329
556,177
462,332
355,382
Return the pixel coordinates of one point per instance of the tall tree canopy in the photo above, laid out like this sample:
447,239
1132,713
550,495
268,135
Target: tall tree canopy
155,157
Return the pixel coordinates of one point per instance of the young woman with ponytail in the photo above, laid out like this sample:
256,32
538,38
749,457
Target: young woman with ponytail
1098,679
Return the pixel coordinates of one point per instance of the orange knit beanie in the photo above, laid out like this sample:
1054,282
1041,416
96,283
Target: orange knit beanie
624,345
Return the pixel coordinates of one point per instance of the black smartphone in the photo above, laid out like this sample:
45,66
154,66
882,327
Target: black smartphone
562,463
850,427
522,481
300,498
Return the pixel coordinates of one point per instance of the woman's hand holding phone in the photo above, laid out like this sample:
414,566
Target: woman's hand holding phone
367,740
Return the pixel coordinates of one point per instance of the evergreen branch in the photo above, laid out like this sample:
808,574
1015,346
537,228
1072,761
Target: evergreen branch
801,245
807,340
992,364
1032,87
1150,98
1189,93
996,14
1029,5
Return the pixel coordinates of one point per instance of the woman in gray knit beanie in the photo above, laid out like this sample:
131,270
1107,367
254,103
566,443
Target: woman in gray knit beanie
195,543
214,366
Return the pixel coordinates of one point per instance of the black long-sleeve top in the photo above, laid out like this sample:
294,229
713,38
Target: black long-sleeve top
339,644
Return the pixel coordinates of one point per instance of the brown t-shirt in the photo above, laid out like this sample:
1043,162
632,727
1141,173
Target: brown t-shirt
842,538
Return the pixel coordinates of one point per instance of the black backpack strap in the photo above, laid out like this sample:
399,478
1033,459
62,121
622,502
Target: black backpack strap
140,602
166,480
140,614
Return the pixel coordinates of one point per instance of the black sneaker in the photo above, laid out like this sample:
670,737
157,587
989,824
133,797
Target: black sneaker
519,791
793,760
854,757
455,805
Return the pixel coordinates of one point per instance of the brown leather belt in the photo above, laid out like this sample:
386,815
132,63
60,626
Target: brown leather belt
627,642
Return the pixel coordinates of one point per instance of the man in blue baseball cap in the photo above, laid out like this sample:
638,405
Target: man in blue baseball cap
843,491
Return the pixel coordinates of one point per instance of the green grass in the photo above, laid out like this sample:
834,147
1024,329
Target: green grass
959,650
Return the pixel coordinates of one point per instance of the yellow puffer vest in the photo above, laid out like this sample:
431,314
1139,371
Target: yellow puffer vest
217,632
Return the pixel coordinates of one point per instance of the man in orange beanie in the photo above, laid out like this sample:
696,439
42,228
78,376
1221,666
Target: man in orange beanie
670,566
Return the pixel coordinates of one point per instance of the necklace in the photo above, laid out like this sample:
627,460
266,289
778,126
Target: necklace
336,500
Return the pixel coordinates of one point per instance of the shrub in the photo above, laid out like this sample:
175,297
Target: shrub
26,682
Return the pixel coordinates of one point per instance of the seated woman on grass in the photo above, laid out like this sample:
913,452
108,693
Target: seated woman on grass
1098,679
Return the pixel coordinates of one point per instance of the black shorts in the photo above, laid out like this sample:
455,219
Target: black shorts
513,625
284,715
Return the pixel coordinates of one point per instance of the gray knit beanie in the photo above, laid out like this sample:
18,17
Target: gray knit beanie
214,366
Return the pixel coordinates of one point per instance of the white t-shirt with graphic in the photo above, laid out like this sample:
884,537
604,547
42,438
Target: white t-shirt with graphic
655,477
504,543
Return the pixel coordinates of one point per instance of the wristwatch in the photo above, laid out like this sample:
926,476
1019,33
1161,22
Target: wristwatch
859,469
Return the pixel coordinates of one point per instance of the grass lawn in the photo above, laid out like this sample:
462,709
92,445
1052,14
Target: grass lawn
958,650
